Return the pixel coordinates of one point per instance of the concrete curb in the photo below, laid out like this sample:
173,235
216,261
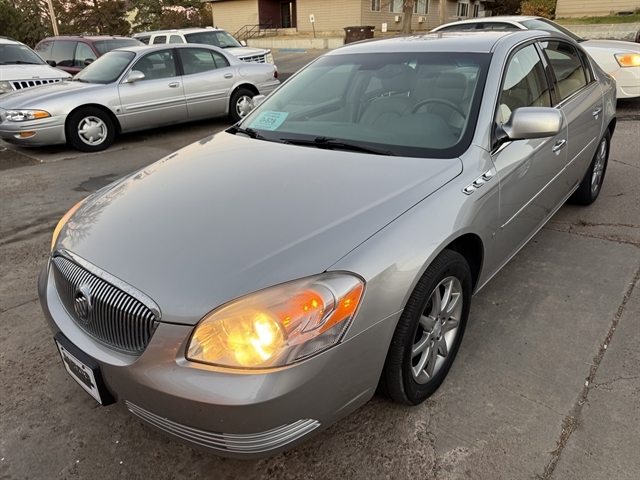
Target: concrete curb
297,43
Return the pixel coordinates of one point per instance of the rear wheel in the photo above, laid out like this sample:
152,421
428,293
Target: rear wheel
429,332
240,104
90,129
591,184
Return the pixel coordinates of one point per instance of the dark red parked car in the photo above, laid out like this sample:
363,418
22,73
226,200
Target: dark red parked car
72,53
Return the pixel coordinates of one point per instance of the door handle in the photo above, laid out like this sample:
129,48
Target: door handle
174,84
228,75
559,145
596,112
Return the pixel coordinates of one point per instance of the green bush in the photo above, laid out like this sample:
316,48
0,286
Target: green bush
539,8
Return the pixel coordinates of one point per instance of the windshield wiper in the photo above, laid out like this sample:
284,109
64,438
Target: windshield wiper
250,132
335,144
20,62
74,79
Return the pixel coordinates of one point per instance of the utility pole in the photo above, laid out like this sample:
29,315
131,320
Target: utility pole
443,12
52,14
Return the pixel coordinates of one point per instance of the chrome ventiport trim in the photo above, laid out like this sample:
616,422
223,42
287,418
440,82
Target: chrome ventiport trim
479,182
238,443
107,277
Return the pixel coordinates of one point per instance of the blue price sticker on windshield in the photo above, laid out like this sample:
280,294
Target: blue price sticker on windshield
269,120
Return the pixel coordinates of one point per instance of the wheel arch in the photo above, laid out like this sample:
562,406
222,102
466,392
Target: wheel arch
470,246
612,125
248,86
114,119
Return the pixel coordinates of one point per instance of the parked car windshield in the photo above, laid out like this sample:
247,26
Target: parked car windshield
104,46
106,69
409,104
218,38
547,26
18,55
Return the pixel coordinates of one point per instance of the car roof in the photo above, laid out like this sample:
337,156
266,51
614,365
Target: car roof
87,37
181,30
138,49
10,41
477,42
499,18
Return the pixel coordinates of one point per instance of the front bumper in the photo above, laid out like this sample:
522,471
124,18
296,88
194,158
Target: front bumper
47,131
628,82
240,414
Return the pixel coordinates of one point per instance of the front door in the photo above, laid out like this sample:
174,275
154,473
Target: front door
156,100
527,169
285,9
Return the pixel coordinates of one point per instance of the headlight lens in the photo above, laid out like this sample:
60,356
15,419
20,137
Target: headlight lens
5,87
63,221
628,59
279,325
25,115
269,58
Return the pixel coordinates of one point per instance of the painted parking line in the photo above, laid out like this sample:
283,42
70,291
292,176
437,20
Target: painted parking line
292,50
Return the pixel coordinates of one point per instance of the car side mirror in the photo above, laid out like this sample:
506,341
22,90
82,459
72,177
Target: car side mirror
134,76
257,100
243,43
52,63
88,61
530,122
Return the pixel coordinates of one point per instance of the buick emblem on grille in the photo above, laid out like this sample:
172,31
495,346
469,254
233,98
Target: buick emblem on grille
82,303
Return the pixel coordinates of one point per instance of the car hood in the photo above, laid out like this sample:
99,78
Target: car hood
29,72
36,97
230,215
245,51
616,46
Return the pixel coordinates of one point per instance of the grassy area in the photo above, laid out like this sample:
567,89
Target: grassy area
635,18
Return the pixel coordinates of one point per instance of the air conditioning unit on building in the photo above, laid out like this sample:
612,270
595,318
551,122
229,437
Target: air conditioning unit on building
420,19
397,18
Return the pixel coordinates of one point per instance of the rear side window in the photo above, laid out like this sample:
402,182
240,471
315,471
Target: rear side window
160,39
463,27
567,67
144,39
63,52
587,66
83,53
176,39
221,62
44,49
498,26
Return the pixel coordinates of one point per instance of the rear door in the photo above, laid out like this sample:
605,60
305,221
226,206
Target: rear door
208,79
580,98
158,99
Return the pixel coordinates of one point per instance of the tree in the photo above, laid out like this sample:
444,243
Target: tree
10,20
97,16
506,7
35,23
407,14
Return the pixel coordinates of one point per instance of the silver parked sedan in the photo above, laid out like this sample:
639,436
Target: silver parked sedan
255,287
131,89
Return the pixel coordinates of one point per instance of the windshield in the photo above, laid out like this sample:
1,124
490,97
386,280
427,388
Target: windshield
217,38
547,26
106,69
104,46
409,104
18,55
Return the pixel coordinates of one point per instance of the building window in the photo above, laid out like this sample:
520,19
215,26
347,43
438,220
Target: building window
476,10
463,9
375,5
421,7
395,6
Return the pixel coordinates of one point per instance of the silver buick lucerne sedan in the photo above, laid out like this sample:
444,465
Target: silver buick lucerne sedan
134,88
249,290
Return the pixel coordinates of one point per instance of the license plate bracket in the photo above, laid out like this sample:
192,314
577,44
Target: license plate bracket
83,369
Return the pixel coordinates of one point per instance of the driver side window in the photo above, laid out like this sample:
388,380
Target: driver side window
525,84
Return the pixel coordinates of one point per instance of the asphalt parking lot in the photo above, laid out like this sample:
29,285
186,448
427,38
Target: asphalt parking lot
546,383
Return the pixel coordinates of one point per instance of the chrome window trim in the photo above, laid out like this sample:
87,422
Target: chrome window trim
115,281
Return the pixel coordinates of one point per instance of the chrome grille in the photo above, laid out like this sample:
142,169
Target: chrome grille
22,84
107,313
254,59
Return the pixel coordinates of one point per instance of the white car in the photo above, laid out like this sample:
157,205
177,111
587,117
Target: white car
619,59
21,67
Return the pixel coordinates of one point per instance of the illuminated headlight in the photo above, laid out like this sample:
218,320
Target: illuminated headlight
628,59
25,115
279,325
268,58
5,87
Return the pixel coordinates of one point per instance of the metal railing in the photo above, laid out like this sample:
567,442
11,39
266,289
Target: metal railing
259,29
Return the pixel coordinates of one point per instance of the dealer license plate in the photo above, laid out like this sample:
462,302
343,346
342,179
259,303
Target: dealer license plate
80,372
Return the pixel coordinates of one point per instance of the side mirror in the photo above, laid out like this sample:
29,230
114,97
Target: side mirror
530,122
243,43
134,76
52,63
257,100
88,61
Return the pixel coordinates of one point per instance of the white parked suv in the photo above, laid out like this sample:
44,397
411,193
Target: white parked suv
209,36
21,67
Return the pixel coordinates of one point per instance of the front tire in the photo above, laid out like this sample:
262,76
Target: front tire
90,129
429,332
240,104
591,184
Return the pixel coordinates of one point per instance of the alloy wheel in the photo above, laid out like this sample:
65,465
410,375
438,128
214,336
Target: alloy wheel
598,167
